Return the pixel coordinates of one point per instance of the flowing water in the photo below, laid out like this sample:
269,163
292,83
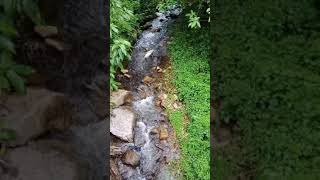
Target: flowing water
154,153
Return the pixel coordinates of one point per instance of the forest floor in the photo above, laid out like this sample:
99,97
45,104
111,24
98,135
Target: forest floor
190,79
172,103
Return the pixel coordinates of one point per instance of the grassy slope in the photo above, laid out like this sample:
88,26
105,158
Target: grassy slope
189,52
270,83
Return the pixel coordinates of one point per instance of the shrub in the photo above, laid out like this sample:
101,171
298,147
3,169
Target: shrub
189,51
124,27
199,10
122,32
268,82
11,74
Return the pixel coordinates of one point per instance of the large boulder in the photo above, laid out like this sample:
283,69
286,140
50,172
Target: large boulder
119,97
131,158
90,144
122,122
36,113
44,160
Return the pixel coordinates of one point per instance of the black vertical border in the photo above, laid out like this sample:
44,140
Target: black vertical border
214,114
107,30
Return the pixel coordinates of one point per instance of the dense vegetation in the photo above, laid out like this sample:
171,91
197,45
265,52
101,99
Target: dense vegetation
126,17
266,56
189,51
12,74
124,28
197,11
123,23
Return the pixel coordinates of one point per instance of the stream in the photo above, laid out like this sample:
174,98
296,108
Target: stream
151,124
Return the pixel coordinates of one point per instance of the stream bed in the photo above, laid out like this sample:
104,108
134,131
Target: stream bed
154,138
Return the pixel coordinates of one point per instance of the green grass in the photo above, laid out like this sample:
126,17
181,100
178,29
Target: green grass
189,52
269,83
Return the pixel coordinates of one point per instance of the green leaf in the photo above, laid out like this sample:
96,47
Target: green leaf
4,83
7,28
127,43
31,9
23,70
16,81
19,6
9,8
6,60
6,44
7,135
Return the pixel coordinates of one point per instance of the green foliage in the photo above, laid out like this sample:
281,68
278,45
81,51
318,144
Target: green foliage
176,120
125,17
190,56
199,11
267,61
11,74
14,8
194,20
123,27
6,135
147,8
164,5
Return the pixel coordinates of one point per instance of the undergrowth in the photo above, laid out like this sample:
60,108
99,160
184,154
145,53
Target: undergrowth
125,16
189,51
267,61
12,75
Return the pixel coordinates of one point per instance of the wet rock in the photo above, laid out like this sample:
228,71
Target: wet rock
98,96
114,171
128,172
175,13
119,150
119,97
164,114
115,150
147,25
163,96
163,135
148,54
46,31
55,44
124,71
37,112
148,79
131,158
162,100
158,102
139,134
159,14
159,70
45,160
154,131
127,75
177,105
122,122
155,30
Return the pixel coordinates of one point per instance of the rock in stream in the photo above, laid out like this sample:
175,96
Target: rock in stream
153,135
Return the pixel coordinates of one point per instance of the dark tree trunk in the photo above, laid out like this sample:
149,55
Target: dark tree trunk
85,29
